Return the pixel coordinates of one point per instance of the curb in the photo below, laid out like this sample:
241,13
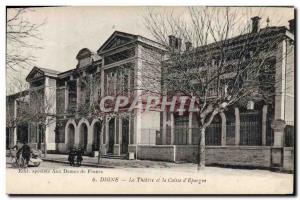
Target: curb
82,164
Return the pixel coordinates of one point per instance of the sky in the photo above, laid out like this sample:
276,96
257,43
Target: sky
66,30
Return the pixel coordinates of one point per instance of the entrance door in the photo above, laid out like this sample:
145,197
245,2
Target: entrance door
83,136
125,136
71,136
111,133
96,139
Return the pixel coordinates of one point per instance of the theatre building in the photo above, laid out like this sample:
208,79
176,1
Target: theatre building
237,137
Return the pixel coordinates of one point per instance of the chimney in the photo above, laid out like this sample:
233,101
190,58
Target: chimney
255,24
292,25
178,43
172,41
188,46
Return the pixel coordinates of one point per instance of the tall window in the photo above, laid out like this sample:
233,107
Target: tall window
250,128
181,129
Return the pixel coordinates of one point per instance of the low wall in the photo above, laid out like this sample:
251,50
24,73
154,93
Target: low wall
252,156
288,158
155,152
186,153
244,156
116,149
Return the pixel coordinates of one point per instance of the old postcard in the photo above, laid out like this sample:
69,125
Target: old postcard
150,100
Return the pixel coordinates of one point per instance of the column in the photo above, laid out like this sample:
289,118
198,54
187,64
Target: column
223,129
106,131
46,101
190,131
50,101
278,127
280,84
264,126
164,127
16,127
90,135
172,129
237,126
115,131
137,126
120,134
277,148
129,129
78,85
102,80
278,138
102,142
66,97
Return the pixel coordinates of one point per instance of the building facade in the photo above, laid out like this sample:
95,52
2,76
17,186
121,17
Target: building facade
240,136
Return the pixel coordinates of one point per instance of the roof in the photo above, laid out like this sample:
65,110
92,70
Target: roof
83,53
263,33
49,71
38,72
128,38
19,94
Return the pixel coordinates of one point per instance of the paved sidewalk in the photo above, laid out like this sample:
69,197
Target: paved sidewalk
116,163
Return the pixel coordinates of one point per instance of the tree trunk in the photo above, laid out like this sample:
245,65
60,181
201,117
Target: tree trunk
201,150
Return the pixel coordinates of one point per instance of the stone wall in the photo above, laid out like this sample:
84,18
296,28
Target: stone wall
250,156
116,149
288,159
186,153
240,156
156,152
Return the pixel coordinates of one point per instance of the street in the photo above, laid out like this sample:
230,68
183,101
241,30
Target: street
180,178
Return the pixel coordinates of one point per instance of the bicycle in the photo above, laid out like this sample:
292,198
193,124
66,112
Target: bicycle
17,162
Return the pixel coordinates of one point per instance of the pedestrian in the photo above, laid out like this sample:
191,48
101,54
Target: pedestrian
15,152
72,155
79,157
26,153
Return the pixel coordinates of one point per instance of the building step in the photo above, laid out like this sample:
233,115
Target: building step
112,156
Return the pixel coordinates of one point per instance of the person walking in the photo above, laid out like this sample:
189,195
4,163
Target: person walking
26,152
79,157
72,156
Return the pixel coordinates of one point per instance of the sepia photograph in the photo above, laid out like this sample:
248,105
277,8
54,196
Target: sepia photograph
150,100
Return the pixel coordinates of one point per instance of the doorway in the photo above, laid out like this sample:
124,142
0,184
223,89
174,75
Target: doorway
111,133
125,136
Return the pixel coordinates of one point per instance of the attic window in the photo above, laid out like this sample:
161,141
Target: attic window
119,56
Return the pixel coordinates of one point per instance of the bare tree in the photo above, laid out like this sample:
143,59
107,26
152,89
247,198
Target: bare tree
22,36
32,107
90,97
15,105
220,71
